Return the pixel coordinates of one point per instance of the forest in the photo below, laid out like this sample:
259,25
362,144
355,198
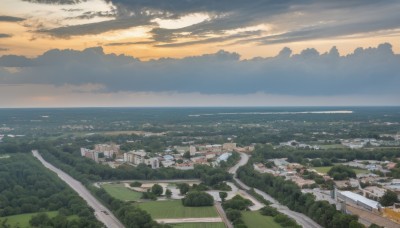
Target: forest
26,187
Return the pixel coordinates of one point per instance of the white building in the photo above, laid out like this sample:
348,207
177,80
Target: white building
356,199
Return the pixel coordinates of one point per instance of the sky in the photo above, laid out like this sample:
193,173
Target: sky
106,53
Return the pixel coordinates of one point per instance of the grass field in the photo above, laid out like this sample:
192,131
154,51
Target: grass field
325,169
199,225
253,219
119,191
22,220
175,209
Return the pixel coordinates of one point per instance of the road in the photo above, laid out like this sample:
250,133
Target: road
100,211
300,218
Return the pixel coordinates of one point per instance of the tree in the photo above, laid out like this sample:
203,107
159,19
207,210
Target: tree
389,198
186,155
39,219
233,214
135,184
223,196
197,199
157,189
183,188
168,193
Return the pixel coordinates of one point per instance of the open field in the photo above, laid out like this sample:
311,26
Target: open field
175,209
199,225
325,169
119,191
22,220
253,219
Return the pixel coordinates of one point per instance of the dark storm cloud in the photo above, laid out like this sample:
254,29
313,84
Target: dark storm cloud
212,40
128,43
10,19
2,35
56,2
298,20
97,27
366,71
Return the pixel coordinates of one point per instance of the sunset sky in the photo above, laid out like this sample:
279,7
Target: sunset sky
199,53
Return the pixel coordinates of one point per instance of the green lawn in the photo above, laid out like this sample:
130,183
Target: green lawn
119,191
23,219
253,219
199,225
325,169
175,209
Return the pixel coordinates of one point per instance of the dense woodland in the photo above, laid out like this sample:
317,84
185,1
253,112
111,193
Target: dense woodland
27,187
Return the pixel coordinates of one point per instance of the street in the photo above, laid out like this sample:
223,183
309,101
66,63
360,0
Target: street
300,218
100,211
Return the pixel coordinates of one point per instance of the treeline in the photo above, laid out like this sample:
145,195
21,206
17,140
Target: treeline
87,170
289,194
332,155
27,187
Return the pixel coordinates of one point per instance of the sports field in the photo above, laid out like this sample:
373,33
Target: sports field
22,220
119,191
253,219
200,225
175,209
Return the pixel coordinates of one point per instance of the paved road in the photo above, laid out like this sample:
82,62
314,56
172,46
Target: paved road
100,211
300,218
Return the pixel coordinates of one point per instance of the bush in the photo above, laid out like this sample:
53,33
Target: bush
197,199
341,172
237,202
269,211
135,184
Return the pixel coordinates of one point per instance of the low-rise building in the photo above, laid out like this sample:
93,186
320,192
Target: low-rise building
359,200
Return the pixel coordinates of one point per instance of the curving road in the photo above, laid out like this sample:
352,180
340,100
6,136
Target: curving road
100,211
300,218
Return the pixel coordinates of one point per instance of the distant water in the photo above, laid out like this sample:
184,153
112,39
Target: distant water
274,113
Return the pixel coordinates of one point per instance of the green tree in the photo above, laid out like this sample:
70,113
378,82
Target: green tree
233,214
168,193
157,189
183,188
223,196
197,199
389,198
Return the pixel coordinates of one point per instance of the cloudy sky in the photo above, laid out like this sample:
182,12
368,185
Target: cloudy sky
56,53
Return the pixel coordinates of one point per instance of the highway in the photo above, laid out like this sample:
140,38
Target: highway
100,211
300,218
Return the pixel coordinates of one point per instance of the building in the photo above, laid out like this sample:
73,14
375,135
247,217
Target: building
91,154
107,149
229,146
192,150
135,157
153,162
359,200
223,157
